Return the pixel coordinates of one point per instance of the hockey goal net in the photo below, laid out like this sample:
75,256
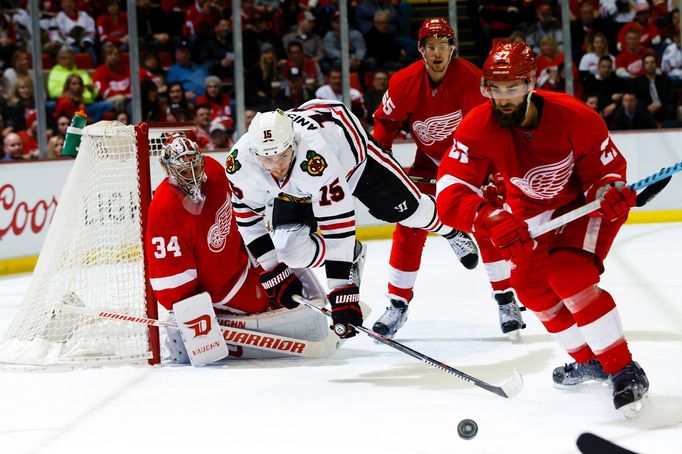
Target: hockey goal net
93,256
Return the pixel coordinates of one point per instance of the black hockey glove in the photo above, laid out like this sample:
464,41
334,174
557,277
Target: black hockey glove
345,310
281,284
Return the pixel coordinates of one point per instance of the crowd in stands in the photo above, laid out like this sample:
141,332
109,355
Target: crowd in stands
627,63
626,56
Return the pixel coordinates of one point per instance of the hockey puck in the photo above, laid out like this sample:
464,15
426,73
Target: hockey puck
467,429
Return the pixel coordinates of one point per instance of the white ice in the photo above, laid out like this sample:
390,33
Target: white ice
368,398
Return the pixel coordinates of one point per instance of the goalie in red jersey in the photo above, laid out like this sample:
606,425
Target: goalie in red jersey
555,155
194,248
434,96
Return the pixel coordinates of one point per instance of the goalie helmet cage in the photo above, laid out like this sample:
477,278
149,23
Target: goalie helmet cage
93,256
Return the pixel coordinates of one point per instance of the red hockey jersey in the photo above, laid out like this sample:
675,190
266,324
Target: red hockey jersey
189,254
433,111
546,168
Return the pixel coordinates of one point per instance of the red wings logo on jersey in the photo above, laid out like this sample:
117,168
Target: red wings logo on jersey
545,182
221,228
435,129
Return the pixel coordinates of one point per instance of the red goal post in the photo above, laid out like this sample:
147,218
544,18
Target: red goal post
94,254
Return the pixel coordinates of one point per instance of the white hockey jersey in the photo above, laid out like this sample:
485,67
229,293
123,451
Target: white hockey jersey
330,151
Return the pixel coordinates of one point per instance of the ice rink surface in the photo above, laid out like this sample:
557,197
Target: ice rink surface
368,398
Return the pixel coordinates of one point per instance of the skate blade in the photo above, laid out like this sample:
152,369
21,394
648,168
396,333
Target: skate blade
586,384
632,410
514,336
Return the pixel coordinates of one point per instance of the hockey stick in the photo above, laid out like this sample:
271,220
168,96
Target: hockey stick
426,180
509,389
651,185
231,334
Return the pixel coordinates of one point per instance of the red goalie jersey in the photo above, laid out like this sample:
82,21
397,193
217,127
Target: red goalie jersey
433,112
189,254
554,166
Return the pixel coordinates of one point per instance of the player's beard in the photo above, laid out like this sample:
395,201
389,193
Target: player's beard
511,120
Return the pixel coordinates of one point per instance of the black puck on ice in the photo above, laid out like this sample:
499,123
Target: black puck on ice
467,428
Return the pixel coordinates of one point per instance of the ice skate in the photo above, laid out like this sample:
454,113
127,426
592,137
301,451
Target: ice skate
465,248
359,255
574,374
630,385
511,321
391,320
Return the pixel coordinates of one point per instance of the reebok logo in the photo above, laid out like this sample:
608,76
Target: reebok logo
201,325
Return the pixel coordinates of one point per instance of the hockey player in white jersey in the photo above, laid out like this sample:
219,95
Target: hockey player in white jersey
315,160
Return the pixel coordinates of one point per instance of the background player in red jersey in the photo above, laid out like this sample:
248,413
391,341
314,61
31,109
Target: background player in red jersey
434,96
555,154
193,244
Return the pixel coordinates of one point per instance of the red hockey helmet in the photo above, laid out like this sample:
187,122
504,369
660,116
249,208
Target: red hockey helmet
436,27
509,61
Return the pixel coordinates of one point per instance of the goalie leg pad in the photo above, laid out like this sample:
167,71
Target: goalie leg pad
198,325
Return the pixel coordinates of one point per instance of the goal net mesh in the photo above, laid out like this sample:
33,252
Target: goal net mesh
92,258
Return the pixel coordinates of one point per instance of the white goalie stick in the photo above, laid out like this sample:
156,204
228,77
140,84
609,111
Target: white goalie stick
509,389
232,335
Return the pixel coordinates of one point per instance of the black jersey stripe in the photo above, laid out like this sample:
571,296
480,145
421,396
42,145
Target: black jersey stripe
336,216
261,245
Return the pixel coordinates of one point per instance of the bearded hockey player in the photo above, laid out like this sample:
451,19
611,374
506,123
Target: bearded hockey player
555,155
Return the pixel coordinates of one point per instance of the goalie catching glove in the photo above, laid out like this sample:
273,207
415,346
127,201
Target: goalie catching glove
346,310
281,284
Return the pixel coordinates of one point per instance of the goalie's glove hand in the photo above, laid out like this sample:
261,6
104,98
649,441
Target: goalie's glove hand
346,310
507,232
281,284
617,199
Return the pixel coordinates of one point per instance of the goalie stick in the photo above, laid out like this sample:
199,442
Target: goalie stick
509,389
232,335
651,185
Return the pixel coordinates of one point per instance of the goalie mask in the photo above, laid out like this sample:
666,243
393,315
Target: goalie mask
184,165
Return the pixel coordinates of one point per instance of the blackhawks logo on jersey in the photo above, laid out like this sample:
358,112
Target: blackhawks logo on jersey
231,163
314,165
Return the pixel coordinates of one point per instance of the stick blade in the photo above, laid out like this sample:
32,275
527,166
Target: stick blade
651,191
513,386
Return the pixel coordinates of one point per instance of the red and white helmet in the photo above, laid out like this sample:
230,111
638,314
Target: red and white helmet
509,61
184,165
438,27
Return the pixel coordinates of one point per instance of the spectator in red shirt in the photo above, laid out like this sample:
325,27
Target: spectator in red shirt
309,69
72,100
112,27
29,137
201,19
202,120
218,102
649,36
629,62
112,79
